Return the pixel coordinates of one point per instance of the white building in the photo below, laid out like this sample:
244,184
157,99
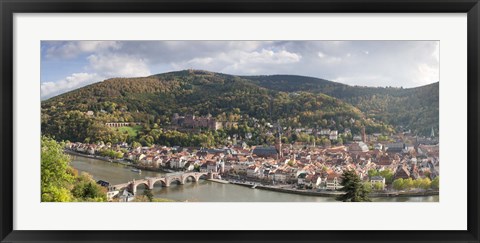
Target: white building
333,135
378,179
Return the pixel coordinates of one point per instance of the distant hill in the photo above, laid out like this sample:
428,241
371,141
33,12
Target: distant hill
295,101
416,109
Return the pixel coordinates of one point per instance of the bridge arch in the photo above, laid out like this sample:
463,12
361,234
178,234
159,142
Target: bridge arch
203,176
134,189
185,178
140,183
169,180
161,180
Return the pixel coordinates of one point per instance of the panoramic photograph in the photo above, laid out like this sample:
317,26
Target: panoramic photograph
240,121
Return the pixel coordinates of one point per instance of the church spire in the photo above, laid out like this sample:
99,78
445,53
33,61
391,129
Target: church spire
278,142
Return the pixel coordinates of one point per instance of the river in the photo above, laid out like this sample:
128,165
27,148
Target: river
205,191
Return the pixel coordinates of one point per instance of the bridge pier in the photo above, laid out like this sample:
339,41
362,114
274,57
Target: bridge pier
133,188
210,175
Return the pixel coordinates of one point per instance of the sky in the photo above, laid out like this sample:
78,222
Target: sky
68,65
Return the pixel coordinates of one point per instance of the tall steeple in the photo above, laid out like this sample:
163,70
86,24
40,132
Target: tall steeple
278,140
364,136
432,134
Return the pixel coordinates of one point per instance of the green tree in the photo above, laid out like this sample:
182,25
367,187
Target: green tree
435,183
55,181
136,144
372,172
148,193
85,189
369,187
388,175
353,187
398,184
425,183
417,183
377,186
59,181
408,183
326,142
196,167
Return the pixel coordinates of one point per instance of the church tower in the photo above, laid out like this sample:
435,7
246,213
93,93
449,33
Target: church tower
278,141
364,136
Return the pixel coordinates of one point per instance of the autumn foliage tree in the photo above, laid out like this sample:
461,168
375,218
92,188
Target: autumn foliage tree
60,182
55,181
85,189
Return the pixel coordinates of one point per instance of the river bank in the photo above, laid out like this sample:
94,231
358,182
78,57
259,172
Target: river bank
96,157
123,162
326,194
205,190
336,193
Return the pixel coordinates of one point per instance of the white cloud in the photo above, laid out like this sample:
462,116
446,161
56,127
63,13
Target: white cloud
269,57
332,60
92,46
326,59
247,46
427,74
76,80
100,67
241,62
436,52
114,65
200,61
72,49
375,63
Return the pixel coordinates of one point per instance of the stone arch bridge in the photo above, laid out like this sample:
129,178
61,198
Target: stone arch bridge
166,181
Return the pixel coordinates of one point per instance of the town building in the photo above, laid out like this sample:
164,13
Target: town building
192,121
358,147
378,179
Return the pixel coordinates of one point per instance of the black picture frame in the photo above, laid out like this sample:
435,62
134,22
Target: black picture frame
9,7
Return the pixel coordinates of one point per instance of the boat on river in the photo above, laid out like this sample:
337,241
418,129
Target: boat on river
137,171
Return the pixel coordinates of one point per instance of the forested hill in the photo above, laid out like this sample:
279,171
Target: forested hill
413,108
202,93
295,101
